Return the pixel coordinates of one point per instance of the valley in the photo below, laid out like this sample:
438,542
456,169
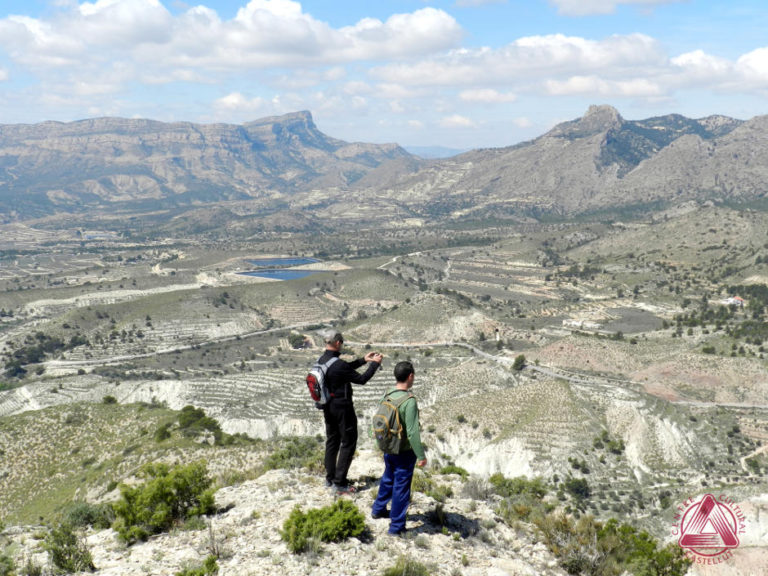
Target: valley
600,312
619,347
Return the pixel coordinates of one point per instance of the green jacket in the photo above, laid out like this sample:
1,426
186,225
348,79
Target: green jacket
409,418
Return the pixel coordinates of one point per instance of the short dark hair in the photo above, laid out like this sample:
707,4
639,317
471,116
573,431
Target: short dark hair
403,370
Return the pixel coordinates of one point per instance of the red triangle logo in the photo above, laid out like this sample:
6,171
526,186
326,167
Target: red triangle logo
710,526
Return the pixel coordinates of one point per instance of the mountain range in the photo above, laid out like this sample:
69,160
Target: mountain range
597,162
143,165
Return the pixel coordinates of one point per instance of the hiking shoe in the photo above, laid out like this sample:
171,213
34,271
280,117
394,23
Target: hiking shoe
383,514
348,489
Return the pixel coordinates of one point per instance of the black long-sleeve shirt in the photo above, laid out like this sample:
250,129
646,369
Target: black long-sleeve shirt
341,375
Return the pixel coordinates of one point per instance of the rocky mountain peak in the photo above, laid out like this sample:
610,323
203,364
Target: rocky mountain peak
601,118
597,120
302,119
60,167
296,128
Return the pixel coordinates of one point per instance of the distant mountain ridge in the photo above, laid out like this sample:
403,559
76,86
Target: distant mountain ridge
435,151
600,161
597,162
91,164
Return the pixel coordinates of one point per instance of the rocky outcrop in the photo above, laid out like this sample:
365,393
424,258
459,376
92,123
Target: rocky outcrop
143,164
600,161
596,162
472,538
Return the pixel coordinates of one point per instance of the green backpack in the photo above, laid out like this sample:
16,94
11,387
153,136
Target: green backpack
386,426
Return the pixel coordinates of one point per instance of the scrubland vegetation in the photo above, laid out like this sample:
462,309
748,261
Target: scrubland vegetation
609,357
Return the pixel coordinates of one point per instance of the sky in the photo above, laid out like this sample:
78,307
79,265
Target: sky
460,73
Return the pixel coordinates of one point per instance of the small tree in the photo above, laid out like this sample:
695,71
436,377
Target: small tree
578,488
519,363
67,550
297,340
167,496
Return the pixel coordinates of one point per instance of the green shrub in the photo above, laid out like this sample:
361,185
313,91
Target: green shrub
109,399
426,485
297,452
209,567
333,523
578,488
297,340
523,498
406,566
67,550
453,469
585,546
193,422
163,432
82,514
31,569
506,487
7,566
519,362
167,496
421,482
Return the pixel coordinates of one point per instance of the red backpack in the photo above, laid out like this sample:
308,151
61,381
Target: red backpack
316,382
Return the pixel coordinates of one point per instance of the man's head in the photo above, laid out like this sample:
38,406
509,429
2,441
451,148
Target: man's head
333,340
404,373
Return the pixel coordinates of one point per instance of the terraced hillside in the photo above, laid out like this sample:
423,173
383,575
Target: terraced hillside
80,451
637,379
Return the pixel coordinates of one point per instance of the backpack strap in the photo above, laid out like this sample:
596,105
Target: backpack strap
330,361
400,401
325,368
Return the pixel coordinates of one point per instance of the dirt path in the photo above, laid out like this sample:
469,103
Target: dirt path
761,450
117,359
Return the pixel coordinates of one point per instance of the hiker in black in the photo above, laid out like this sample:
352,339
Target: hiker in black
339,412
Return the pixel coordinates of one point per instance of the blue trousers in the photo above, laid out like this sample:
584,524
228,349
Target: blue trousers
395,485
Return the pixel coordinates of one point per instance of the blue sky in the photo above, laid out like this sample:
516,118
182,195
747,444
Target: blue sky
460,73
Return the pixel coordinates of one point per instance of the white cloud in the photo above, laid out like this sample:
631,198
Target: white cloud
527,59
34,43
308,77
456,121
397,91
585,7
698,68
487,95
620,66
593,85
754,66
274,57
263,34
700,62
357,88
474,3
119,23
274,33
396,107
237,102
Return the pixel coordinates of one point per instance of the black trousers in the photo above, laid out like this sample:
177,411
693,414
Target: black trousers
340,440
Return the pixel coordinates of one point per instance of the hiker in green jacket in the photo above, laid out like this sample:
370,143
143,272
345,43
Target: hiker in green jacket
395,484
